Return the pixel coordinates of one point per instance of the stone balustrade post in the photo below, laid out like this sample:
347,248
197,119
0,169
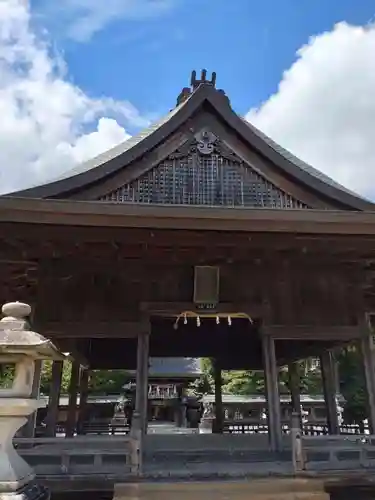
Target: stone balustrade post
296,437
22,348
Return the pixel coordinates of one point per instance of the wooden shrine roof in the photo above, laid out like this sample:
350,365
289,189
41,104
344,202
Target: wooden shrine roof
161,368
175,367
203,94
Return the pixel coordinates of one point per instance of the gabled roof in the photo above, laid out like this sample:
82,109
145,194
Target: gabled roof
175,367
109,163
180,368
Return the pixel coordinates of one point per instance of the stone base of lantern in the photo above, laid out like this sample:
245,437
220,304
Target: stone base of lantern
30,491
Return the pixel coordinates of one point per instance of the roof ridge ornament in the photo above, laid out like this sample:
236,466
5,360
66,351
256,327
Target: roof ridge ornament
194,83
186,92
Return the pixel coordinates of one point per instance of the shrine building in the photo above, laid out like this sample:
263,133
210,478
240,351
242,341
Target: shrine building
198,237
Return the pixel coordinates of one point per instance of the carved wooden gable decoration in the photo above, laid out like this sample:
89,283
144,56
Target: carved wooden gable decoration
204,172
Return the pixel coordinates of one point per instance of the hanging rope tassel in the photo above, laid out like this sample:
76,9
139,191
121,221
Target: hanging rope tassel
217,316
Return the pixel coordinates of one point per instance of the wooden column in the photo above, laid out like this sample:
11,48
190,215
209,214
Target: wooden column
294,387
72,405
139,420
327,364
178,411
368,355
83,395
336,371
30,426
54,398
219,414
272,392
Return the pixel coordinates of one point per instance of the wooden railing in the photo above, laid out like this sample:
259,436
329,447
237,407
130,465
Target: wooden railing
92,428
81,455
106,429
162,395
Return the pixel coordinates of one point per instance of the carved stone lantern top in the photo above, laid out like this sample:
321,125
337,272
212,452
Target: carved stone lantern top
17,338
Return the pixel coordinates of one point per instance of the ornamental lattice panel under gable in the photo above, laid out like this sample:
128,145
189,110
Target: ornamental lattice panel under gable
204,173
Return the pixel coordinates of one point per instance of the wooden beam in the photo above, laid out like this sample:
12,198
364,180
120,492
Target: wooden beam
83,329
107,237
173,309
76,355
72,213
308,332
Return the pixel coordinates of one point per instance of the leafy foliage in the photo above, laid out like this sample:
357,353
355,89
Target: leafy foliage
46,375
101,381
6,376
241,382
352,385
107,381
247,382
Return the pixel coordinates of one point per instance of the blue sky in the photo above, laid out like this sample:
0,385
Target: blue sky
249,44
78,77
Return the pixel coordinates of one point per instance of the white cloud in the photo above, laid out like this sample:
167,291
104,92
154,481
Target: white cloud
47,124
324,109
84,18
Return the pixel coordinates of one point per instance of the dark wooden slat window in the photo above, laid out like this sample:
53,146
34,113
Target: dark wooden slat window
209,180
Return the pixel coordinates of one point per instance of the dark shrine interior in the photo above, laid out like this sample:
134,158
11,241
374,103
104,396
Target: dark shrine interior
236,346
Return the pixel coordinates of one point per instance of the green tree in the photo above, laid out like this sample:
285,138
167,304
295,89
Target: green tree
108,381
46,375
352,385
243,382
6,375
310,377
247,382
101,381
205,383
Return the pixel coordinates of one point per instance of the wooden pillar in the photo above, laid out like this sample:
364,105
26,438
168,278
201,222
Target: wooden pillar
368,355
139,421
83,395
179,413
336,371
327,364
272,392
219,420
54,398
294,387
72,405
30,426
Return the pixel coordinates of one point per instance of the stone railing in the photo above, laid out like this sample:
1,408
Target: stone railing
77,456
331,452
345,456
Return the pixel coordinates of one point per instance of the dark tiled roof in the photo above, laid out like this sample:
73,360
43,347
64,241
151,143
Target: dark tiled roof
118,150
173,368
121,156
298,162
178,367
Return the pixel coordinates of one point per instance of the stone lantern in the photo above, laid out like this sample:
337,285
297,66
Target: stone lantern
21,347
